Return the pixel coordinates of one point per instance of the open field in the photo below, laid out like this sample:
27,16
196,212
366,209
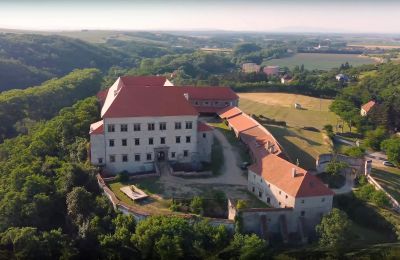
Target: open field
389,178
320,61
298,143
280,106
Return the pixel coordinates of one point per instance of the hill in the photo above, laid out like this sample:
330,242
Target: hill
29,59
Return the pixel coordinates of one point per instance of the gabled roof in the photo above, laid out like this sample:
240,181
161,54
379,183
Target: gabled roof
143,81
149,101
202,127
242,122
229,112
368,106
259,136
208,92
97,128
279,172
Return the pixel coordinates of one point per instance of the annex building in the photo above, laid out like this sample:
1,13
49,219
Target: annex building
145,120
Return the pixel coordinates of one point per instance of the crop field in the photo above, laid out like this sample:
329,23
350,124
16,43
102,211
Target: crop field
299,143
320,61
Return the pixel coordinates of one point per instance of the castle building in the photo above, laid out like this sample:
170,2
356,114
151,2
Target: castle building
145,120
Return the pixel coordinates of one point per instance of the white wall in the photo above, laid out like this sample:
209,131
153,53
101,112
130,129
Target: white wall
205,141
131,149
97,150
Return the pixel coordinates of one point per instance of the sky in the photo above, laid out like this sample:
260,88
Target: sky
348,16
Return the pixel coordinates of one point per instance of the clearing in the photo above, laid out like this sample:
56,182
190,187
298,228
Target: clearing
320,61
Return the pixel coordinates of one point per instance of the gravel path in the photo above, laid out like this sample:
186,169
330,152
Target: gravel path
231,173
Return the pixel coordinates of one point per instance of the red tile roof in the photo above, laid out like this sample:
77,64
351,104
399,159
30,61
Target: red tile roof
269,164
368,106
228,112
278,172
97,128
261,137
208,92
242,122
140,102
143,81
202,127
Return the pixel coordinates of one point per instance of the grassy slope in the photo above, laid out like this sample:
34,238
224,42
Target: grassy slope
298,143
389,178
320,60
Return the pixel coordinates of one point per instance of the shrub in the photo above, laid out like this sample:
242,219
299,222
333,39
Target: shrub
355,152
380,199
197,205
123,176
241,204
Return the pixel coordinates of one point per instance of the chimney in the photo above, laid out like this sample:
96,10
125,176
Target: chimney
272,149
186,95
294,172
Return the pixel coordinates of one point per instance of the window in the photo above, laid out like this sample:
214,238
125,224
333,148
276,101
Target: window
216,103
162,140
261,180
178,125
148,157
259,194
189,125
136,127
124,142
111,142
286,196
137,141
185,153
280,192
112,158
323,200
303,213
111,128
150,126
197,103
137,157
268,200
163,126
124,158
279,203
206,102
302,201
172,154
124,128
151,141
187,139
177,139
204,135
100,160
269,185
253,189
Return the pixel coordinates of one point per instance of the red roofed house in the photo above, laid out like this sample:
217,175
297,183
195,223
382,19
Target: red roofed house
367,107
302,197
146,120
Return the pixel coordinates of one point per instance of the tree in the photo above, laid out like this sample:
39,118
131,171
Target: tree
334,231
79,205
246,247
392,149
335,167
374,138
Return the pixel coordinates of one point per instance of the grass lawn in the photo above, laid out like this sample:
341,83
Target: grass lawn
155,204
389,178
300,144
321,61
312,117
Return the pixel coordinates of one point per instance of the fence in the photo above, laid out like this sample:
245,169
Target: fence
393,201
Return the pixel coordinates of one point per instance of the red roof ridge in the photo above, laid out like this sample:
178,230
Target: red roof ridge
97,128
367,106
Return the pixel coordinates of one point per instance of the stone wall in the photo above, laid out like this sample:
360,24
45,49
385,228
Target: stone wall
361,166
